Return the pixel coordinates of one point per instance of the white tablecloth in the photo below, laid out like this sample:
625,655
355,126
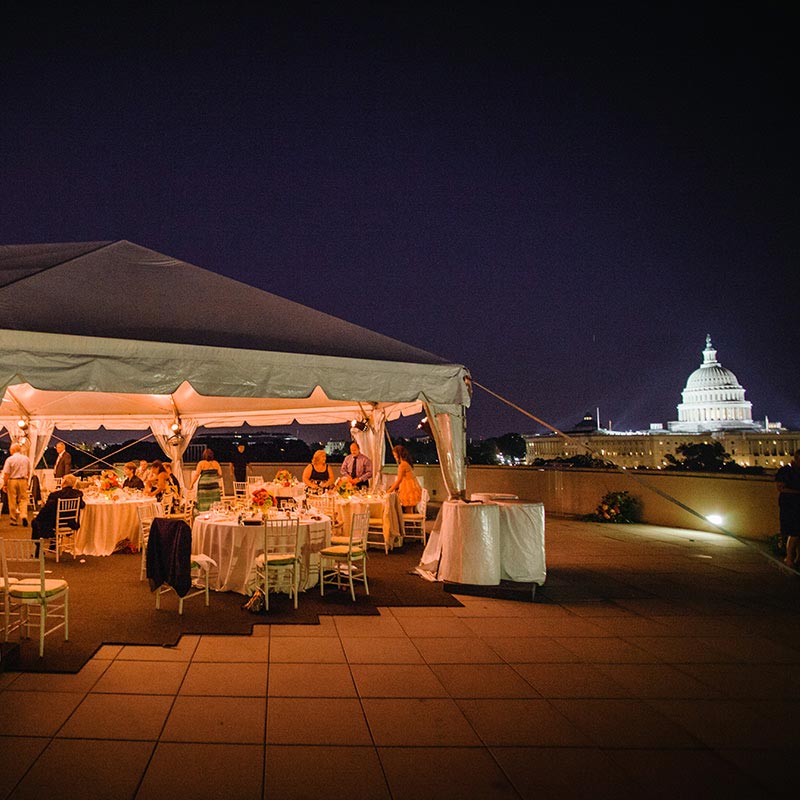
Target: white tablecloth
482,543
386,507
105,524
235,547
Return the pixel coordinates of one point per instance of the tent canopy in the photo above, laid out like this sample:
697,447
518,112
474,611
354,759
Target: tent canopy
114,334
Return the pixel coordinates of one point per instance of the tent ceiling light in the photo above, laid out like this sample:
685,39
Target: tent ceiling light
23,423
359,424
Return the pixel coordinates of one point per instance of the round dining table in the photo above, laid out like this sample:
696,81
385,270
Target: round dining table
383,506
108,520
235,547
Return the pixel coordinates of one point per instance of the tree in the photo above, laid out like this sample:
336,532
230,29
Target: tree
699,457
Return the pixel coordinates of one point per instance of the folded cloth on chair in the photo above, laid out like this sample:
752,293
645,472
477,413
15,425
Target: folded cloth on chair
169,555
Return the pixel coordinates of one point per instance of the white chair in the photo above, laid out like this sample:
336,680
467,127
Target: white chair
326,504
240,490
376,536
32,588
8,606
281,558
254,479
68,513
348,560
146,512
171,566
414,523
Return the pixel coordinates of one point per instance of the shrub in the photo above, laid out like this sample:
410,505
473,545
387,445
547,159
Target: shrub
616,507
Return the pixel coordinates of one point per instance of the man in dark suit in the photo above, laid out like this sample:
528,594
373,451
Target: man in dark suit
44,523
63,461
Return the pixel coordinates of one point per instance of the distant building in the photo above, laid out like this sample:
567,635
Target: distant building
713,409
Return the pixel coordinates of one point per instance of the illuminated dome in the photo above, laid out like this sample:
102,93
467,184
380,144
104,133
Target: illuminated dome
713,399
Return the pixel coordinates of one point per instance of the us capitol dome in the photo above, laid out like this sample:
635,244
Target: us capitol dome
713,399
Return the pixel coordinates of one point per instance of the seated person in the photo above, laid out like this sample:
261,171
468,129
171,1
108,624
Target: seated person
318,474
357,467
132,480
44,523
156,481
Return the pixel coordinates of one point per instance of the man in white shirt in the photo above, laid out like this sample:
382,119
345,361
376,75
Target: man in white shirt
15,477
357,467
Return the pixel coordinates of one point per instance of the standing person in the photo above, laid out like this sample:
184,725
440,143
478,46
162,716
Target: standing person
788,481
407,486
63,465
15,477
207,476
239,464
357,467
318,474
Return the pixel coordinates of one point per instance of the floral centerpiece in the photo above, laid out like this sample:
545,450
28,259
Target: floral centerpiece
616,507
285,478
261,500
345,487
109,482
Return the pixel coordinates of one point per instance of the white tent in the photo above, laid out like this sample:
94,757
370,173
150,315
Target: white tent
114,334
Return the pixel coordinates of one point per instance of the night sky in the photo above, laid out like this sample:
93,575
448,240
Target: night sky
565,201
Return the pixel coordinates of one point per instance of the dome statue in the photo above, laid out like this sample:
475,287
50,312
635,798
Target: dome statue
713,399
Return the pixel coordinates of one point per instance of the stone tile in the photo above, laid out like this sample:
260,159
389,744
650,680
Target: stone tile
624,723
422,722
7,678
457,650
657,680
531,650
396,680
310,680
204,772
521,722
577,680
107,652
235,720
353,627
748,681
565,773
320,721
769,768
77,769
598,608
679,650
81,681
118,716
314,650
17,753
688,774
482,680
753,649
36,713
140,677
424,627
608,650
446,773
402,612
182,651
294,772
232,679
381,650
232,648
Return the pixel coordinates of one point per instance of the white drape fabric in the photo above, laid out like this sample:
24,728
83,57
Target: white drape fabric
162,432
372,444
38,434
448,426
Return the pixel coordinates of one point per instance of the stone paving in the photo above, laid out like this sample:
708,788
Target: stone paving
657,663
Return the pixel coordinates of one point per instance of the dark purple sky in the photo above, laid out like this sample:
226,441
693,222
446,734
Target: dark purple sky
566,202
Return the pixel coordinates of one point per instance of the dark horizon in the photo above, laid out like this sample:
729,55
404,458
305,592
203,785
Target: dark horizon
564,200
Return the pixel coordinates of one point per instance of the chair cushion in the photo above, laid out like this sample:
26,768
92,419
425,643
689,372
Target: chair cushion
31,587
413,517
335,550
340,540
10,581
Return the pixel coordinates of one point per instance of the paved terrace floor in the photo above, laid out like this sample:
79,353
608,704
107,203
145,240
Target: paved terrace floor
663,663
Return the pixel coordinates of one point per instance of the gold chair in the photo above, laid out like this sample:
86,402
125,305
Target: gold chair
68,524
348,560
414,523
280,557
28,586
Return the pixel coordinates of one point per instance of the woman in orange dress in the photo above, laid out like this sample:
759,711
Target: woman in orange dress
407,486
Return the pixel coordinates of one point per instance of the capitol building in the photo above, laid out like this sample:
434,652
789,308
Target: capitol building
713,408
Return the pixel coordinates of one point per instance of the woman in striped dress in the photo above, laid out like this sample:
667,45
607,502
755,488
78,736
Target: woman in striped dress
207,475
